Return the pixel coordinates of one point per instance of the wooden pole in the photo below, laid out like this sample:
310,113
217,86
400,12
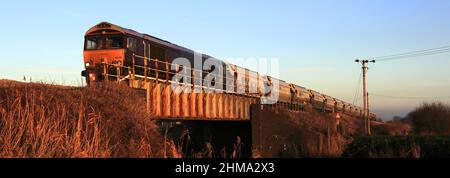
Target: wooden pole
365,112
364,68
368,115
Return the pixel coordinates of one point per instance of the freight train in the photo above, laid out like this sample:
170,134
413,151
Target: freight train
113,52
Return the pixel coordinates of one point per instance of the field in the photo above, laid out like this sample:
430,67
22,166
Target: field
399,147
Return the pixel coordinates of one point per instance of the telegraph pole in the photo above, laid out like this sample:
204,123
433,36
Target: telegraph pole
368,114
365,113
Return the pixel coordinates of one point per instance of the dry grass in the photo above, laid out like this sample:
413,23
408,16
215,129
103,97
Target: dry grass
306,134
399,147
106,120
392,128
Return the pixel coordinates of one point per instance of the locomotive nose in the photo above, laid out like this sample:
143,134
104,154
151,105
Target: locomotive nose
93,58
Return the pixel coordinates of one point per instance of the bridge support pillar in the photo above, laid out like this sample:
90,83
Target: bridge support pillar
167,105
156,96
207,104
184,103
220,106
247,108
200,104
226,105
193,104
233,105
242,108
214,105
176,102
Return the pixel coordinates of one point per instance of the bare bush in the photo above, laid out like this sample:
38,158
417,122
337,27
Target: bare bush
431,119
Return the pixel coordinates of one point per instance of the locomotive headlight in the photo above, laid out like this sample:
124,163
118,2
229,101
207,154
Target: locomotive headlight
117,63
92,76
87,64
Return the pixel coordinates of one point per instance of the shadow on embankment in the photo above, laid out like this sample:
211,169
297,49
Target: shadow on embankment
278,132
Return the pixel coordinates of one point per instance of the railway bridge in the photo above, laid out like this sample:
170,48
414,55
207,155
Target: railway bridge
208,113
217,91
170,100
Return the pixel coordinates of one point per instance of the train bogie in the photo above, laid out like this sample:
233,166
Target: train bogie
338,105
302,94
328,102
285,94
317,100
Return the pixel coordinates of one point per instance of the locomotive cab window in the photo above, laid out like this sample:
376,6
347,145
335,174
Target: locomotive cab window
131,44
114,42
102,42
94,42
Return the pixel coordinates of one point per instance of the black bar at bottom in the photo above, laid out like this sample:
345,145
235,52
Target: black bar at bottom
221,167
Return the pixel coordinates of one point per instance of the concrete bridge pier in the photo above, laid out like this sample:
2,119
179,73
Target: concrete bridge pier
241,108
200,104
167,105
156,97
184,103
232,108
176,102
207,105
220,106
226,106
193,104
214,105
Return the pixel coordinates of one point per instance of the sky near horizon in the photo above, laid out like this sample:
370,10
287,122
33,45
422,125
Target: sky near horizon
315,41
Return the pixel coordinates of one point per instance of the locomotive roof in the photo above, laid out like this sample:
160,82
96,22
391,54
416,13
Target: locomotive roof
110,26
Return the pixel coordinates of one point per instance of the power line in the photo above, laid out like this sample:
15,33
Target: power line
426,52
358,88
358,99
418,51
410,97
415,55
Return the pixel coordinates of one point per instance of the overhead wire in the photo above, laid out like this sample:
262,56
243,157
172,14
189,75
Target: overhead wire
426,52
411,97
411,54
358,88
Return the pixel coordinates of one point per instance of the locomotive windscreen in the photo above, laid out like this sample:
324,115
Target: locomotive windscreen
104,42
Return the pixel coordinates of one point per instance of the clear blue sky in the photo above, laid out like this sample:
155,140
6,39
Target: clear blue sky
316,41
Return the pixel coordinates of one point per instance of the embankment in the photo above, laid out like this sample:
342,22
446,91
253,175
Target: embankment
104,120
